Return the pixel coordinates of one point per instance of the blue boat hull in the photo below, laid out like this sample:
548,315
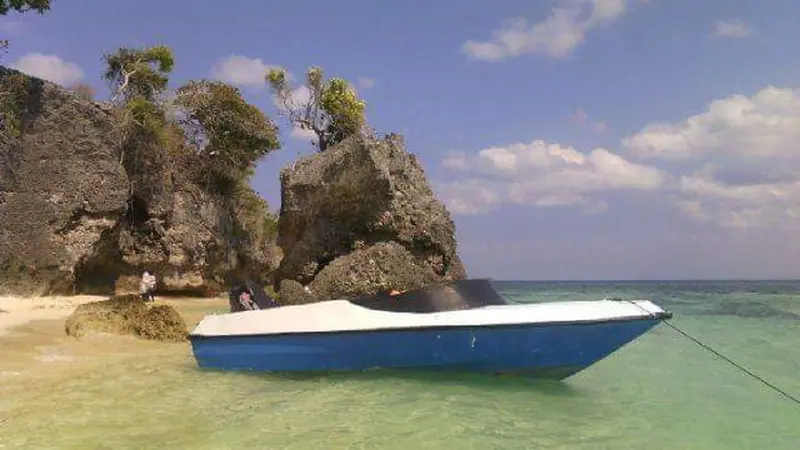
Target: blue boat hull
554,351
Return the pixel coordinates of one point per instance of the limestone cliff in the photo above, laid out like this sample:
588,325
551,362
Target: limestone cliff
358,218
75,216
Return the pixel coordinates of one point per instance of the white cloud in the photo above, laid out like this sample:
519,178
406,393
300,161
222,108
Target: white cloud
541,174
741,158
766,125
49,67
468,197
557,36
774,205
736,164
242,71
731,28
366,82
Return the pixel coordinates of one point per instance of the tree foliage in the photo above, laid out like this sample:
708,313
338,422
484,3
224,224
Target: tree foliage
139,78
230,133
140,73
332,110
21,6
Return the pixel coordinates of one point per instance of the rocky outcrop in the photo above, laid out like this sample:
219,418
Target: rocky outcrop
76,217
127,314
360,218
61,185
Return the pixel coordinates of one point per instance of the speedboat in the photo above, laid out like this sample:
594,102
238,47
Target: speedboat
464,325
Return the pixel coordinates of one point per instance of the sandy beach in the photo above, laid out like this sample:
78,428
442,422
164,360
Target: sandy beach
16,311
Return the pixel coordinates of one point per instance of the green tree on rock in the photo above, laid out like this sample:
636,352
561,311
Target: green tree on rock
138,77
229,133
332,110
39,6
139,73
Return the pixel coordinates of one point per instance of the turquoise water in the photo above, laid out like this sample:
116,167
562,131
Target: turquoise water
660,392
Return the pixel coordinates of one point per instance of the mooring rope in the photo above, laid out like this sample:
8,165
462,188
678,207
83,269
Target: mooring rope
707,347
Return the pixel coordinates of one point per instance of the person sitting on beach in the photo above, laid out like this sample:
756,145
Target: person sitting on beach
248,296
147,286
246,299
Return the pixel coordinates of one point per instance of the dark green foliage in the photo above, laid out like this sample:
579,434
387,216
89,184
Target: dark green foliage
211,138
332,112
229,134
139,72
254,218
21,6
13,95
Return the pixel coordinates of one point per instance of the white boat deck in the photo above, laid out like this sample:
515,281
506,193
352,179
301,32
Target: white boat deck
341,315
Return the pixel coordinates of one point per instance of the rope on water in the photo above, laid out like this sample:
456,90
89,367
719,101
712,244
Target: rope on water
707,347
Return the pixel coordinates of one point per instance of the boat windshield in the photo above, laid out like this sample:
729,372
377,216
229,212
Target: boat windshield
450,296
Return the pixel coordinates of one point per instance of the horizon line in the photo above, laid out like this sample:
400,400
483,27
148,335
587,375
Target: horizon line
610,280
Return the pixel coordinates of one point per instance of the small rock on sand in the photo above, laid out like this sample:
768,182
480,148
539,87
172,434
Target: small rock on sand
127,314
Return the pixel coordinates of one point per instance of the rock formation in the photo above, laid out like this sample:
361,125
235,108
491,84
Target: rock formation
360,218
127,314
75,216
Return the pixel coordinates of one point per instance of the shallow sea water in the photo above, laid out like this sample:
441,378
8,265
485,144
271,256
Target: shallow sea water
659,392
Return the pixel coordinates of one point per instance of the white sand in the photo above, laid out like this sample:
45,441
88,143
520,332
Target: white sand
16,311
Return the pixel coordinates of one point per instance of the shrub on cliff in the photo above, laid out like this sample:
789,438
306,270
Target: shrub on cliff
332,110
228,134
204,135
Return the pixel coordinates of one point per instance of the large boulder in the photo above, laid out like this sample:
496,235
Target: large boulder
359,218
127,314
62,187
80,215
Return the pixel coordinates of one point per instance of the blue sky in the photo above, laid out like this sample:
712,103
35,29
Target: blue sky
571,139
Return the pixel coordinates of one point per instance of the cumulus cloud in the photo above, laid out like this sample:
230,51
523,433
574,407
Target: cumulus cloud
731,28
766,125
740,159
736,164
241,71
541,174
563,30
49,67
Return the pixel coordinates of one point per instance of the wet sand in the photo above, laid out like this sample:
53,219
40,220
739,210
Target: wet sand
17,311
32,335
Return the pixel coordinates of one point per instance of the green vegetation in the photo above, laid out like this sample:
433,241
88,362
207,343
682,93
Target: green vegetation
139,73
12,100
39,6
332,111
229,135
203,133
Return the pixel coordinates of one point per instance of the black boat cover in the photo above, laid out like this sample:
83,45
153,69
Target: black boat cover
258,299
450,296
